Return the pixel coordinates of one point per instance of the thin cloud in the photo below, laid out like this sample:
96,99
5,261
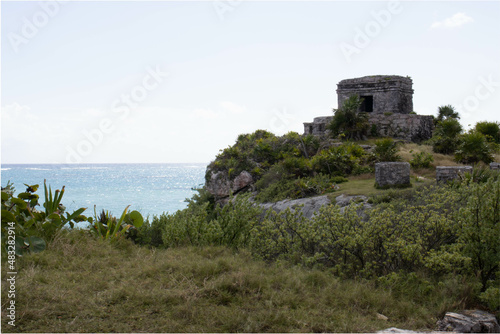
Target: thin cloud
201,113
15,107
457,20
232,107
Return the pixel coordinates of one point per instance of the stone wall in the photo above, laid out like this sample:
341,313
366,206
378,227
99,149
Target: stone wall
495,165
411,127
448,173
318,126
387,93
390,174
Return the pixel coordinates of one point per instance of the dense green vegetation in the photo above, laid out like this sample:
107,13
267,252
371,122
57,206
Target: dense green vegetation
478,144
294,166
430,230
25,229
418,253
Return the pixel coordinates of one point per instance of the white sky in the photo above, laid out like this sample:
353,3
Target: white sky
233,67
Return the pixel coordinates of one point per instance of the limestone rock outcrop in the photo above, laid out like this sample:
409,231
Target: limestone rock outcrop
470,321
311,205
220,185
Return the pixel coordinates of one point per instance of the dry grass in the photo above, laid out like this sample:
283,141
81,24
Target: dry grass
406,151
83,285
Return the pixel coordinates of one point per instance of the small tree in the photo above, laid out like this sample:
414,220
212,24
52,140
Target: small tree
348,120
446,112
473,147
445,137
490,129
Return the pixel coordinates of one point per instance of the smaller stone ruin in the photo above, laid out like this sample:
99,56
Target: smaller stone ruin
495,166
448,173
392,174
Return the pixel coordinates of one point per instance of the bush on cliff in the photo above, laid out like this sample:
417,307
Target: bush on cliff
348,121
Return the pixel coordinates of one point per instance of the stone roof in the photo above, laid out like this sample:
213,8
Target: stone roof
375,79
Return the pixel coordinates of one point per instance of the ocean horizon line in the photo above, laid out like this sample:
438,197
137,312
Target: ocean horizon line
104,163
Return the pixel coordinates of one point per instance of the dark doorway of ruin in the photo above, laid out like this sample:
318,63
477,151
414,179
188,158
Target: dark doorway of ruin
367,104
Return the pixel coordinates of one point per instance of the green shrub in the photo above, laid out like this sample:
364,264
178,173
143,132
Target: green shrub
421,160
107,227
275,174
479,174
446,136
349,121
278,190
281,236
338,160
233,223
472,148
311,144
490,129
479,229
339,179
293,188
150,234
188,227
296,166
491,297
28,230
386,150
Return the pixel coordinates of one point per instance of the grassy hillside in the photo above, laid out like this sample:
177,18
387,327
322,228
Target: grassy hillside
418,253
81,284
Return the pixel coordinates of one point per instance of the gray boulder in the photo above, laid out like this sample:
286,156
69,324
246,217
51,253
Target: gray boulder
242,181
470,321
220,186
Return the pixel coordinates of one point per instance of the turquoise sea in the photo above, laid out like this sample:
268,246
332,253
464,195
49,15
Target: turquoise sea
149,188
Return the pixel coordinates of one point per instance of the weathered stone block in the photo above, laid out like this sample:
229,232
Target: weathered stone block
448,173
392,174
495,165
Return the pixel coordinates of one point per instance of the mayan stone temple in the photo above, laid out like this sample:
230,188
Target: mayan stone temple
388,100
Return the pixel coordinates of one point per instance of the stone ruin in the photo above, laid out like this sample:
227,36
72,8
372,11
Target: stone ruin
380,93
388,101
448,173
392,174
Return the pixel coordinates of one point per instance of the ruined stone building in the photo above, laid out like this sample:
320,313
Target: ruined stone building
388,100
